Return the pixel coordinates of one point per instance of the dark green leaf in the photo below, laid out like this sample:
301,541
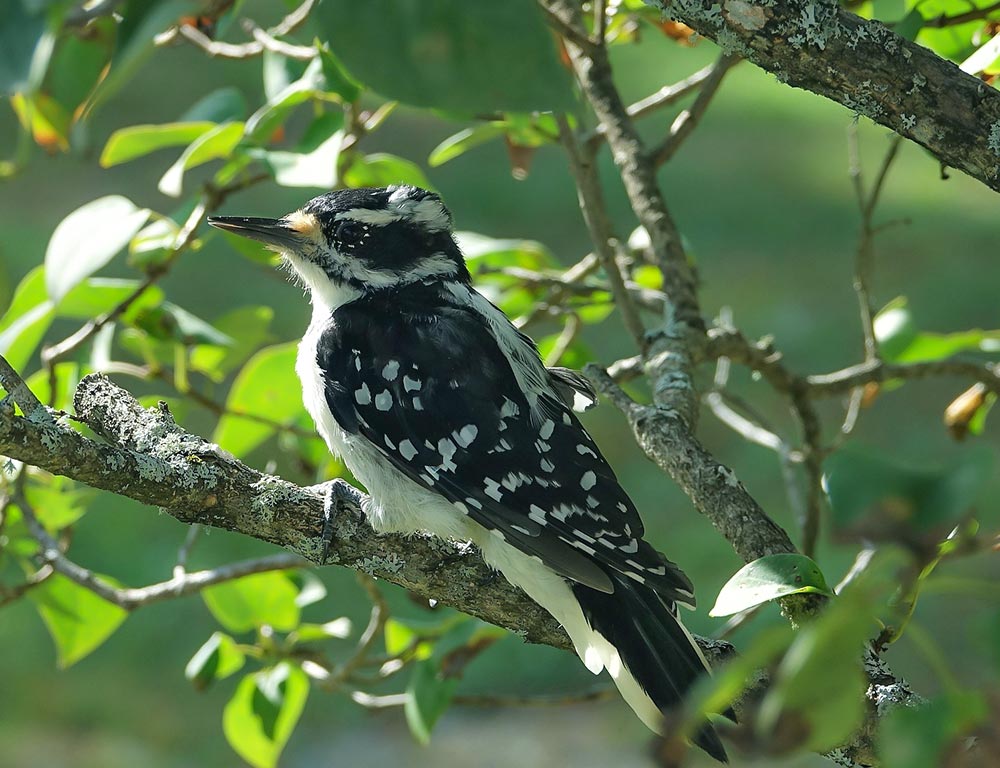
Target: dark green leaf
168,322
260,717
139,140
254,601
920,737
883,499
217,659
77,619
338,80
427,697
248,327
909,25
88,239
449,54
769,578
268,386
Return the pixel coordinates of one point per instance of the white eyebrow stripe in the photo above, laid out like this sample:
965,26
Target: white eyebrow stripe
368,216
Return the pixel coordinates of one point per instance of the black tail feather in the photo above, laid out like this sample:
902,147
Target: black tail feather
653,646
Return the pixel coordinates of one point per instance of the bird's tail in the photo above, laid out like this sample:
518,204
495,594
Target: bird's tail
647,650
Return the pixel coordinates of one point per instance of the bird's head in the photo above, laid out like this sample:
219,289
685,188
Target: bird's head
361,240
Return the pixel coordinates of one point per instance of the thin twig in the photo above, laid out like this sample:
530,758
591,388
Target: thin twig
961,18
12,382
598,223
687,120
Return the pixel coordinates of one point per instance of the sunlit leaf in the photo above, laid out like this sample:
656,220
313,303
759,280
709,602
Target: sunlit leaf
46,119
211,145
97,295
769,578
26,320
311,633
77,619
88,239
268,386
139,140
317,168
254,601
463,141
260,717
218,658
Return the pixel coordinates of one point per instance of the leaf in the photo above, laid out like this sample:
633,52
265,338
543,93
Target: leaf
168,322
247,327
66,376
883,499
58,502
769,578
920,737
88,239
46,119
23,39
97,295
310,633
254,601
77,619
266,120
428,695
211,145
484,253
260,717
463,141
338,79
267,385
311,589
219,106
901,341
317,168
218,658
139,140
447,54
141,22
381,169
817,693
26,320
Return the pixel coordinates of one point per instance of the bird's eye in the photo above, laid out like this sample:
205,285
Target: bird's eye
348,230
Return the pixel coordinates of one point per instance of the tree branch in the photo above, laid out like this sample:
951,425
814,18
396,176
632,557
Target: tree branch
816,45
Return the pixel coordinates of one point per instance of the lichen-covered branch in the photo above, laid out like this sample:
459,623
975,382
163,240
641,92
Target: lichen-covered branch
818,46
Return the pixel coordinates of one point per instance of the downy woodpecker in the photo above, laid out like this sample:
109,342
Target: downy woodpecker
446,414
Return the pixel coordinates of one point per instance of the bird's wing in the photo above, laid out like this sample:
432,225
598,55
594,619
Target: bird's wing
436,395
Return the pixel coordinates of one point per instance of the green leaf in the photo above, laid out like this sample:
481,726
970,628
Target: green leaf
463,141
46,119
267,385
97,295
58,501
260,717
77,619
883,499
139,140
447,54
316,168
279,72
311,588
483,253
310,633
401,637
428,695
381,169
168,322
88,239
818,690
901,341
141,23
249,329
211,145
921,737
217,659
769,578
25,47
27,319
338,79
254,601
220,106
67,375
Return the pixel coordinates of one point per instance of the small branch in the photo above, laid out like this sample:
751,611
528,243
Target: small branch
687,120
570,330
962,18
598,223
19,392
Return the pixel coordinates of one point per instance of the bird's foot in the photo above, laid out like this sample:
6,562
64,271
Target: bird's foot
336,490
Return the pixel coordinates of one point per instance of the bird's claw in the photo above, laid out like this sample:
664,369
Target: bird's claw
337,489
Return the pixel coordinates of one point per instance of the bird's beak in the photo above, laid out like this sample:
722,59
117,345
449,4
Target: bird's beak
273,232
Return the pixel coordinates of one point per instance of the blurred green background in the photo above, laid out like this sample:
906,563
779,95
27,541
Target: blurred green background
761,193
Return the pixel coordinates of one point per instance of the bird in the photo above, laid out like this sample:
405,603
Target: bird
447,415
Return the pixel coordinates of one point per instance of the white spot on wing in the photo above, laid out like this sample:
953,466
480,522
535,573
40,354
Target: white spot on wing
383,400
407,450
391,370
411,385
492,488
466,435
545,432
588,480
363,395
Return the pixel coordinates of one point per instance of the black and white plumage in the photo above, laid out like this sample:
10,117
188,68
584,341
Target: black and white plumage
445,412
